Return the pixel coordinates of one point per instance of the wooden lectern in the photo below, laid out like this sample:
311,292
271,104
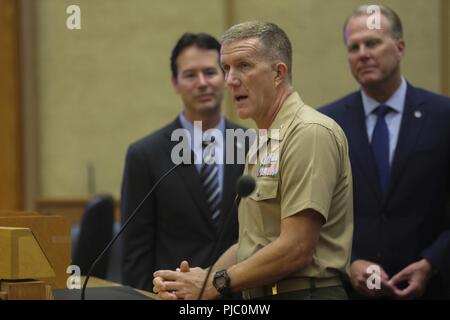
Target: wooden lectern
22,261
35,254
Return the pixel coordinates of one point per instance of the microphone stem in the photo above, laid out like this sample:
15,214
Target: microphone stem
216,246
123,228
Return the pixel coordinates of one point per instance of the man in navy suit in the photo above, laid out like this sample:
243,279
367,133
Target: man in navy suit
399,139
183,217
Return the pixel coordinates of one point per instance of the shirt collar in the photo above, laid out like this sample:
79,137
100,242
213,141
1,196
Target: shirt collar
189,126
396,101
285,116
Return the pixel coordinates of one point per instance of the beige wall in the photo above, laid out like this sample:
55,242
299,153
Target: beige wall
315,28
445,47
102,87
107,84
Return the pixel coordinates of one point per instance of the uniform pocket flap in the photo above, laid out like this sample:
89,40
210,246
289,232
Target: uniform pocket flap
266,188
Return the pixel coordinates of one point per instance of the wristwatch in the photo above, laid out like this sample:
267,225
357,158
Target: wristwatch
222,283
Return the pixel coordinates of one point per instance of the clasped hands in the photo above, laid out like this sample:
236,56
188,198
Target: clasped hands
415,276
184,283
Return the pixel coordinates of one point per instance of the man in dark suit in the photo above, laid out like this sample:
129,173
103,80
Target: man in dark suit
182,219
399,139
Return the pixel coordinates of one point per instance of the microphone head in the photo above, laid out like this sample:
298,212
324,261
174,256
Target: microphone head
245,186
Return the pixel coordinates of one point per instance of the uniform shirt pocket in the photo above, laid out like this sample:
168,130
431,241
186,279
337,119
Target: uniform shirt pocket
266,188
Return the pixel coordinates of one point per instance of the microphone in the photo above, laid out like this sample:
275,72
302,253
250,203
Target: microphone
245,185
130,218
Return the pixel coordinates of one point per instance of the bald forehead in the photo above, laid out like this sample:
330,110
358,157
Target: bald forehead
365,23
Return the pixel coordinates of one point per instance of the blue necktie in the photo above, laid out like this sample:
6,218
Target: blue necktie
380,146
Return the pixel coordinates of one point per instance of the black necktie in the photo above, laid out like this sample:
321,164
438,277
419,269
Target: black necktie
380,146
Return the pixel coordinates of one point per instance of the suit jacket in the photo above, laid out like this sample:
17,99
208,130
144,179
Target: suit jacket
175,223
408,223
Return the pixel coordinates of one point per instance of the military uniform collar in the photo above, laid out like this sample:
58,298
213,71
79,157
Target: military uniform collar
285,116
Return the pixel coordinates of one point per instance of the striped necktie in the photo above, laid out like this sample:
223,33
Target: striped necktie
209,175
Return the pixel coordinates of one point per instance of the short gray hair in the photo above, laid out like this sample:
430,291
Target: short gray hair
396,28
275,42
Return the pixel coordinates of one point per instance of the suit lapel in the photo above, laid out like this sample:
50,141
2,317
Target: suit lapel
191,179
231,173
189,176
228,194
414,116
355,123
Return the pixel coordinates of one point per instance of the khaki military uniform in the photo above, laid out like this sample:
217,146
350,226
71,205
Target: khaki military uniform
306,166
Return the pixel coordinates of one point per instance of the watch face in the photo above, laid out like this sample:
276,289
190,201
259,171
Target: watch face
220,281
